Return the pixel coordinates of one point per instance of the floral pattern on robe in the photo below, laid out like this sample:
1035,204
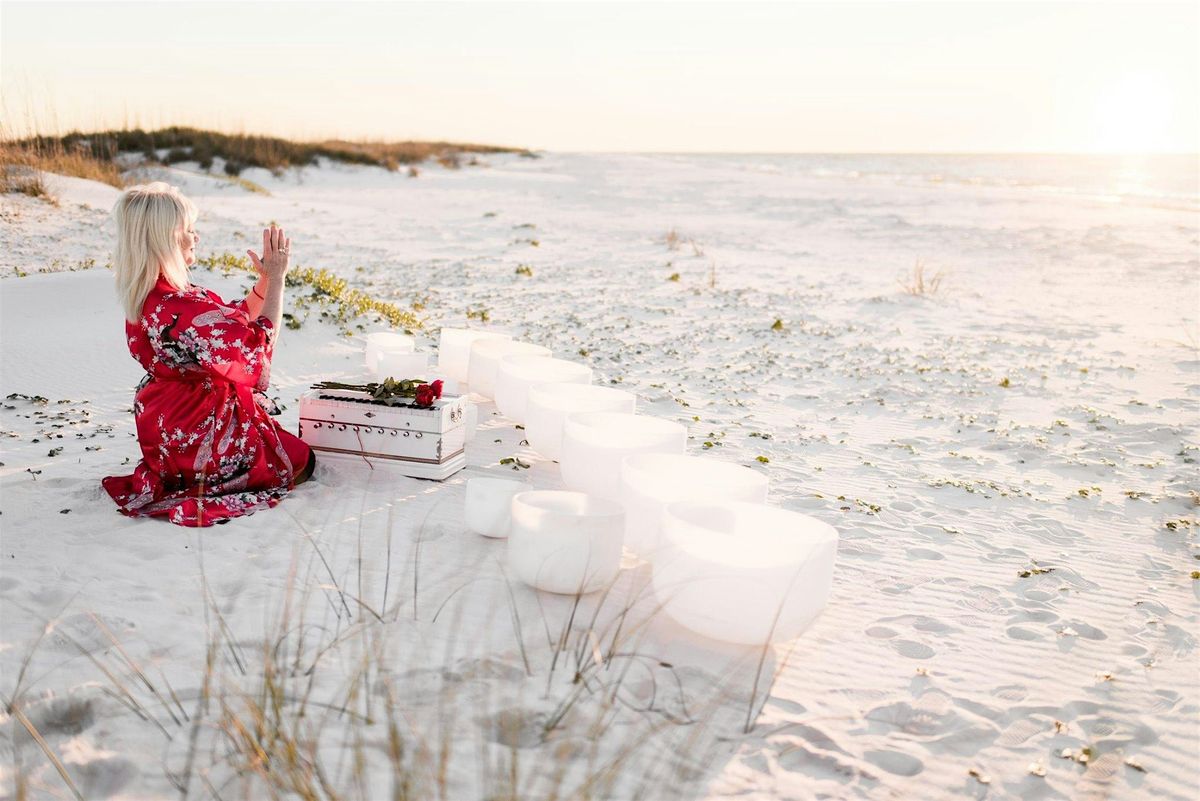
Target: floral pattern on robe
210,451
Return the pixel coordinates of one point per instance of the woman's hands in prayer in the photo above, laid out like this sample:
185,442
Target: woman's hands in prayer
272,268
275,261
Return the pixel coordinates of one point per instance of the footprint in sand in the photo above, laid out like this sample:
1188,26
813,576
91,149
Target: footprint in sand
56,717
515,728
925,553
1084,630
818,765
1011,692
1019,633
895,762
913,649
98,774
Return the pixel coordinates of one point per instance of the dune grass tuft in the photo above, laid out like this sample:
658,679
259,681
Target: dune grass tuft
24,165
239,151
921,282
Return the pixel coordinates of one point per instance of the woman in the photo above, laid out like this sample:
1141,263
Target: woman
210,452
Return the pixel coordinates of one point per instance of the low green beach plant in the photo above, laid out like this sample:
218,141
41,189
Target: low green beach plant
333,295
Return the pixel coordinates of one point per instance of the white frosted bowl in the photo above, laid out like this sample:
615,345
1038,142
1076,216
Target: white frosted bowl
593,444
650,481
485,361
549,404
516,374
488,505
401,365
565,542
387,340
743,572
454,349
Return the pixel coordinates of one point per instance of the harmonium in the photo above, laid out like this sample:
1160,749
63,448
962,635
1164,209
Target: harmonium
422,441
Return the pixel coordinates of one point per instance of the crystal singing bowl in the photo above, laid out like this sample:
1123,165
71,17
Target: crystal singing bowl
743,572
485,360
401,365
650,481
516,374
565,542
387,340
454,349
595,442
488,504
548,405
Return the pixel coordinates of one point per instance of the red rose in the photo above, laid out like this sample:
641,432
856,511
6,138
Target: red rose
436,386
425,395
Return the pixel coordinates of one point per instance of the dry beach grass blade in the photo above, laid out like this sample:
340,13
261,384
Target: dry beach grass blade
920,282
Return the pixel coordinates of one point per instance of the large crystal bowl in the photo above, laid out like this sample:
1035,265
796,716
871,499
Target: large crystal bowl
454,349
387,340
516,374
401,365
485,361
595,442
743,572
565,542
548,405
488,504
650,481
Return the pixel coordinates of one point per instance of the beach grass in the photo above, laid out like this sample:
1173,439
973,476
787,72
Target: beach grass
921,282
93,154
24,166
319,709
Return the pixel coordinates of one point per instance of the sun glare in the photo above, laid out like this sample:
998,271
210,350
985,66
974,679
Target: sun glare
1134,116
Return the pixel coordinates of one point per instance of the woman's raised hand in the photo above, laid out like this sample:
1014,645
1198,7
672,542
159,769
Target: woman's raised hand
275,262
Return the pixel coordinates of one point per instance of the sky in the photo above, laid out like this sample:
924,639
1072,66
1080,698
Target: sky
652,77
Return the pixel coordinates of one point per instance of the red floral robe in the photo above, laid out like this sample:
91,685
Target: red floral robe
210,452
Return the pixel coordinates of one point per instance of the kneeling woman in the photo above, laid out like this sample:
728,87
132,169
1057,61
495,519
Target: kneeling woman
210,452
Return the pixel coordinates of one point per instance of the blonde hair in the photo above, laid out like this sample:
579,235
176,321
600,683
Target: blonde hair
150,222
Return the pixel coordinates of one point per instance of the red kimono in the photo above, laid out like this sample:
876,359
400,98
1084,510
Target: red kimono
210,452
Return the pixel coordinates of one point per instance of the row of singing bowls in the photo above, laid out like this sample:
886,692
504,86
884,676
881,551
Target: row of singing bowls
735,571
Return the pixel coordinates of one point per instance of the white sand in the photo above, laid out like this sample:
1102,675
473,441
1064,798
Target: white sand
937,671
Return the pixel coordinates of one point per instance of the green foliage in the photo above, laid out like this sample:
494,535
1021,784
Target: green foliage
516,463
339,303
525,270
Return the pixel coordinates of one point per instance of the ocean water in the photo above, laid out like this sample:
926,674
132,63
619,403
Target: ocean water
1168,180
